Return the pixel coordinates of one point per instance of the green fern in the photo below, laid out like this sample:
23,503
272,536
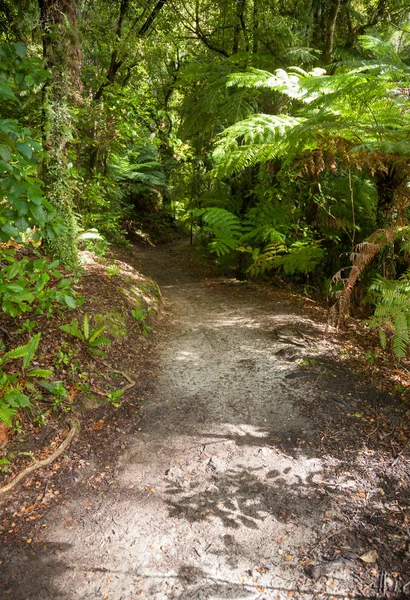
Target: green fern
7,414
392,312
225,227
301,257
363,103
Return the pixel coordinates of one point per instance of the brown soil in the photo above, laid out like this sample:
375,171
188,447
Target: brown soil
263,466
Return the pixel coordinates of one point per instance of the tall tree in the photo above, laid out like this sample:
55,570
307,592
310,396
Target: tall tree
62,57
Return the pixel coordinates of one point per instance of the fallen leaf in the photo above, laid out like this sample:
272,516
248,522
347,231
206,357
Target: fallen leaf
369,557
99,425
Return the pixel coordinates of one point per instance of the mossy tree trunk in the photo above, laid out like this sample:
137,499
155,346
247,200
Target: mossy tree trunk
62,57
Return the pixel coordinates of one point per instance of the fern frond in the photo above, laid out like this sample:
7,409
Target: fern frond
392,312
225,227
257,139
299,258
7,414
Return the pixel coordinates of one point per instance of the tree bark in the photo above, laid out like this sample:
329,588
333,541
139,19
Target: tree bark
330,30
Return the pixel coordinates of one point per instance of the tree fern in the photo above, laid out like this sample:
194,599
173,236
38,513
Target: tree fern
363,103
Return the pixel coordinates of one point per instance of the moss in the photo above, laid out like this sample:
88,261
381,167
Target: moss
115,323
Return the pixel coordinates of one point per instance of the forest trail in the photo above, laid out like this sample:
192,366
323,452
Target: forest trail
224,492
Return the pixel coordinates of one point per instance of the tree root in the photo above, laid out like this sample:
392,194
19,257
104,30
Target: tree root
38,464
130,383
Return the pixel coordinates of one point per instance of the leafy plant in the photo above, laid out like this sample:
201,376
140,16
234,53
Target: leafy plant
26,208
113,397
301,257
64,355
28,325
34,285
92,338
5,465
59,393
141,315
392,313
12,396
112,270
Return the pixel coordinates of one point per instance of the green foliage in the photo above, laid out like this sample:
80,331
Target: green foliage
392,313
92,338
141,315
113,397
300,257
225,227
26,210
103,210
34,285
12,396
257,237
349,105
5,465
112,270
59,393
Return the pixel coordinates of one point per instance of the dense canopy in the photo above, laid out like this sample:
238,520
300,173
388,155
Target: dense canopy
279,131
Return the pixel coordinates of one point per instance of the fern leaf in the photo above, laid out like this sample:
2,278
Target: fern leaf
31,350
18,352
86,326
7,414
40,373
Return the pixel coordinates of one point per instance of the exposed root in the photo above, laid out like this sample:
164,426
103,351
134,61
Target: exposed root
38,464
130,383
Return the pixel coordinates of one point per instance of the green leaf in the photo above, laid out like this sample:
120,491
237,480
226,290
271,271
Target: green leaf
31,350
5,166
86,327
5,152
101,341
40,373
69,300
7,414
15,288
14,269
22,224
25,150
20,49
39,214
96,333
6,92
18,352
73,329
10,230
16,399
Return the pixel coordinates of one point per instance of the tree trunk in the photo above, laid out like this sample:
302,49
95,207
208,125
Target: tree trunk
62,57
330,30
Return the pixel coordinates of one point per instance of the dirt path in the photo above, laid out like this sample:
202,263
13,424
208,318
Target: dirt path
224,493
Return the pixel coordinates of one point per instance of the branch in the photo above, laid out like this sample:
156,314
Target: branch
151,18
115,64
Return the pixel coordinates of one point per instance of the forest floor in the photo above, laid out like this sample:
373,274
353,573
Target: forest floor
257,458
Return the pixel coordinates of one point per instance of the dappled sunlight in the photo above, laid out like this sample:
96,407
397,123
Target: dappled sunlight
245,492
186,355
